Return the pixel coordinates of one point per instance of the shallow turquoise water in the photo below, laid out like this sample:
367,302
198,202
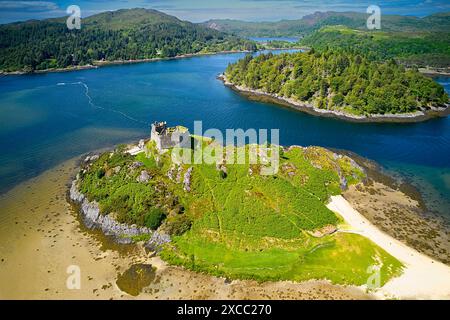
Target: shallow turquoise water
47,118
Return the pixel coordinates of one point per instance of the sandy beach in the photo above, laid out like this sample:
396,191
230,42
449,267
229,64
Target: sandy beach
41,236
423,277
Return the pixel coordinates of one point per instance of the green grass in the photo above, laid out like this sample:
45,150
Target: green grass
242,224
149,163
342,258
421,49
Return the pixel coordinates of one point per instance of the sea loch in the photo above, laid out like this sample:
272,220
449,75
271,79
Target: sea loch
48,118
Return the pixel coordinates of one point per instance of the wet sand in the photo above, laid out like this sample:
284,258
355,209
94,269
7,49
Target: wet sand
402,217
422,277
41,236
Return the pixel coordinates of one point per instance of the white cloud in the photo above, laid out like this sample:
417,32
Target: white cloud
28,5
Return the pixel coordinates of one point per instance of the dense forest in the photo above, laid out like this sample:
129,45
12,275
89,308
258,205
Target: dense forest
419,49
119,35
306,25
412,41
339,81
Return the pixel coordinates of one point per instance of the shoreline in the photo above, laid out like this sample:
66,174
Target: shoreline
41,235
422,277
259,95
100,64
95,256
434,72
434,275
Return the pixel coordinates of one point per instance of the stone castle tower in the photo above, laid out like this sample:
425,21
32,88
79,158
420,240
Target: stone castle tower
169,137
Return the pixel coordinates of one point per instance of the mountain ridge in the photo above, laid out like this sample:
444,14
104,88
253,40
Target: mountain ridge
126,34
318,19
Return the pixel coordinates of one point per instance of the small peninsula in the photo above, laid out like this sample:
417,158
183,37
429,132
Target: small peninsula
230,221
338,84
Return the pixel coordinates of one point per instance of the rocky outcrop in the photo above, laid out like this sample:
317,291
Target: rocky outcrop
187,179
156,241
144,177
122,233
91,158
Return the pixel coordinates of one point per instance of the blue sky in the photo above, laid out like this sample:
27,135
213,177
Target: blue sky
201,10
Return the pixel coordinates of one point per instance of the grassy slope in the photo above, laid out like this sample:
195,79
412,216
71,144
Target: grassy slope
257,227
244,225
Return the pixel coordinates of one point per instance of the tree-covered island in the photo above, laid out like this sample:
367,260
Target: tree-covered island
340,83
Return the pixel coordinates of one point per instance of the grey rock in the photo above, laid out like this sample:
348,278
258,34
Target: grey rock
91,158
343,182
144,177
156,241
93,219
179,174
187,179
137,164
171,172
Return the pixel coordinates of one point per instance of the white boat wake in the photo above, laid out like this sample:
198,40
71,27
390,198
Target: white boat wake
92,104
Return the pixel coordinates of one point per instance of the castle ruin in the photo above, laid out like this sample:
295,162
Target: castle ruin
169,137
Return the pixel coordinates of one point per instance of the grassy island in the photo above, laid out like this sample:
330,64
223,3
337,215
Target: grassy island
231,221
339,82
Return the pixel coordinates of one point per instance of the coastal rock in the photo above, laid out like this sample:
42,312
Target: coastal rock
356,165
92,218
156,241
74,194
295,147
416,116
91,158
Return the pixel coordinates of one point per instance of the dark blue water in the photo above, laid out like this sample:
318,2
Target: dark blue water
48,118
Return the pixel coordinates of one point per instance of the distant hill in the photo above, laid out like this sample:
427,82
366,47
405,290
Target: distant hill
422,49
422,42
312,22
127,34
